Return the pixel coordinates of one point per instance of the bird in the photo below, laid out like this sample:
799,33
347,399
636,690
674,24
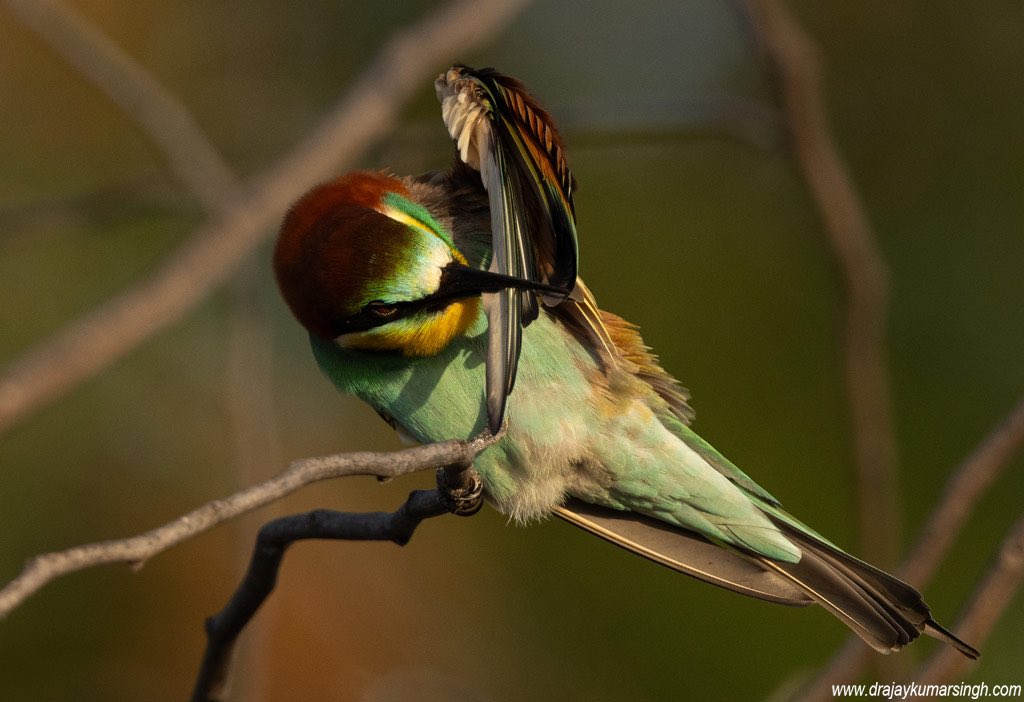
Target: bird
451,303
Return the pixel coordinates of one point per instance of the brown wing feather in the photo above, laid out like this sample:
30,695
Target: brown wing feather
685,552
881,609
884,611
618,344
539,124
627,339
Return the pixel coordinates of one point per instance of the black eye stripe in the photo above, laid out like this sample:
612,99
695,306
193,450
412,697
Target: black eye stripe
458,282
377,313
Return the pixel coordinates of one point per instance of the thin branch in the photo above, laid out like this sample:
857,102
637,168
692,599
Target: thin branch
89,344
987,603
969,482
168,123
137,549
459,491
797,67
223,628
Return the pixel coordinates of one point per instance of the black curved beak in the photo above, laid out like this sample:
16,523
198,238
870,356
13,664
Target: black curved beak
504,319
458,280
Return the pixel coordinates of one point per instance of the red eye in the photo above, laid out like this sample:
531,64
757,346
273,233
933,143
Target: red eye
381,309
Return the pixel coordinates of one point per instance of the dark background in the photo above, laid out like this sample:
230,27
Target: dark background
694,224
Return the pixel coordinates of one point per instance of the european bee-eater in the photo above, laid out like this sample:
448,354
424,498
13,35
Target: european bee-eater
430,297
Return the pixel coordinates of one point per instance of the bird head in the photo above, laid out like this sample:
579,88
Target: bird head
360,263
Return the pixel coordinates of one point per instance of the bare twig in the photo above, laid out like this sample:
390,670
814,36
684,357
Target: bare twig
223,629
459,491
137,549
164,119
987,603
969,482
797,66
89,344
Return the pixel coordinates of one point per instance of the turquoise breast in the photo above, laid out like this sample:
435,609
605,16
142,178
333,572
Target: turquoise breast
442,397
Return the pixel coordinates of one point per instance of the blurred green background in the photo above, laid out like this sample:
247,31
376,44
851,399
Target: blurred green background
694,224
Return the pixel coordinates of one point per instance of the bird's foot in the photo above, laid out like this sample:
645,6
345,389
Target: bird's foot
461,489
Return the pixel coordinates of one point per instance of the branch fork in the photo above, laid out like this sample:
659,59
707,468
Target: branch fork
459,491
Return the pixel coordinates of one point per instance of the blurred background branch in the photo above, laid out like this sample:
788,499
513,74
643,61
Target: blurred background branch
366,114
947,521
988,603
166,121
797,66
659,119
968,484
796,63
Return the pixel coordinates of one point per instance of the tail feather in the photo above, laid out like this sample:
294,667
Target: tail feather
937,631
881,609
869,617
886,621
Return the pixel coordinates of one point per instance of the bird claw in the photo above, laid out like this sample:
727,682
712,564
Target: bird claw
462,490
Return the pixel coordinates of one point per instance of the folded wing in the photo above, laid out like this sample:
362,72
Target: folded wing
884,611
501,131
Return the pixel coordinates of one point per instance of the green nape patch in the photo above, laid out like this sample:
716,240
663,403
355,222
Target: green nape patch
420,214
